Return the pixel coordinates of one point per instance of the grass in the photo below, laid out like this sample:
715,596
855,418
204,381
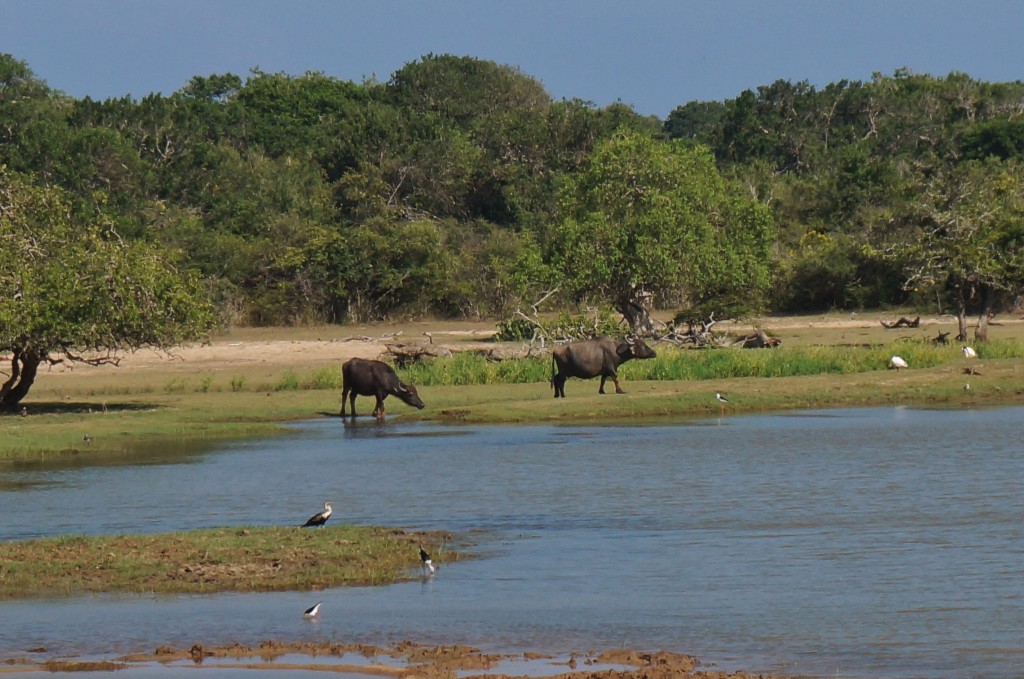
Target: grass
244,559
123,411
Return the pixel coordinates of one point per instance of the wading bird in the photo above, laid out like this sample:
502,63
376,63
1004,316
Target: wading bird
320,518
312,611
897,363
427,562
969,352
721,397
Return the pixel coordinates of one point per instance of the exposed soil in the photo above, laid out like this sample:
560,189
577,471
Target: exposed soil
405,659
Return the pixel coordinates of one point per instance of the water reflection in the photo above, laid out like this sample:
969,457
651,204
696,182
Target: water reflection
875,542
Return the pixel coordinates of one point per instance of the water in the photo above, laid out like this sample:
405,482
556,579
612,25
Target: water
863,543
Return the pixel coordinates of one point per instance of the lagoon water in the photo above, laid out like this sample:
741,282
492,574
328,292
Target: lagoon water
881,542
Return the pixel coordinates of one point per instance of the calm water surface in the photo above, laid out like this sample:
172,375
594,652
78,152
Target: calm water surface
863,543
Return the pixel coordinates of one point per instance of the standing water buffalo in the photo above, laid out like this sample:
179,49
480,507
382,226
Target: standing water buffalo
590,358
374,378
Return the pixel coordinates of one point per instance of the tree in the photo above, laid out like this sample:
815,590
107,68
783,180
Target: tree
968,237
74,291
646,217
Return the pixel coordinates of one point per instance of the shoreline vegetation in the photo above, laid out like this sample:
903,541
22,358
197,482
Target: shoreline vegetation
250,383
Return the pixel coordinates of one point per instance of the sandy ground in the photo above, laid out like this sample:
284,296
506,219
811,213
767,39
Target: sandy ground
276,347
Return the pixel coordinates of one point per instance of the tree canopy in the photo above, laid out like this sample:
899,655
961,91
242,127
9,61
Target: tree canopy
74,290
458,186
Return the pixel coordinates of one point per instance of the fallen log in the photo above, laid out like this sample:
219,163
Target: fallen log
903,322
404,354
758,340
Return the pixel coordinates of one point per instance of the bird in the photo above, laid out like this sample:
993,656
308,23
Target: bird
24,411
312,611
969,352
87,438
721,397
428,563
897,362
320,518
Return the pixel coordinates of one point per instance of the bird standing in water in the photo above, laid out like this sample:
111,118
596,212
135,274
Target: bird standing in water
312,611
427,562
320,518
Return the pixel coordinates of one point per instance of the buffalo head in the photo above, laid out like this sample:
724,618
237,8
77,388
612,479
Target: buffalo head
408,394
638,348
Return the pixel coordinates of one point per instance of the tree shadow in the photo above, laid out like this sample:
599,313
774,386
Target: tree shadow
71,408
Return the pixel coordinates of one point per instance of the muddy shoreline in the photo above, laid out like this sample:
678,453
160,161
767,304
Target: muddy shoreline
405,659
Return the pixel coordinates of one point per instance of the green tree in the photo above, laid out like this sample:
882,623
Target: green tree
647,217
967,238
73,290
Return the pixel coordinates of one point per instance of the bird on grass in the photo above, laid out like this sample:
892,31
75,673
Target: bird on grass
897,363
427,563
320,518
969,352
721,397
312,611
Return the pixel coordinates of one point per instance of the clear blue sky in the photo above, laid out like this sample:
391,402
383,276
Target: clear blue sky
652,54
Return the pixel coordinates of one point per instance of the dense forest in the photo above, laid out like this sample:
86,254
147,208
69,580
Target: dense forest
460,188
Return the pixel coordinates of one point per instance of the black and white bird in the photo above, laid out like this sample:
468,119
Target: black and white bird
427,562
320,518
312,611
897,363
721,397
969,352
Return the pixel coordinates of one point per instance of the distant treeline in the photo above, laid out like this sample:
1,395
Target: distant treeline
460,188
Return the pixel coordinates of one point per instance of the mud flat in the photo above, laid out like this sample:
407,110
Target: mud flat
405,659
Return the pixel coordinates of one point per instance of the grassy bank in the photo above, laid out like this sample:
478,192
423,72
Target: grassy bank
248,559
108,415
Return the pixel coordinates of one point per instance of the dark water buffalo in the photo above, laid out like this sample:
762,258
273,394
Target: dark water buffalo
374,378
590,358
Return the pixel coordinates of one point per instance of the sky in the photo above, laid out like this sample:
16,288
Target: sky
654,55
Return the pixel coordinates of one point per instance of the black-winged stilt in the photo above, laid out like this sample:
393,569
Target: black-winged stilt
427,562
312,611
320,518
721,397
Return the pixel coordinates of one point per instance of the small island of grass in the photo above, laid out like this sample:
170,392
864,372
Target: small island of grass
238,559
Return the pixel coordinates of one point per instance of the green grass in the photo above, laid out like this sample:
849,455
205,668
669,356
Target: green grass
124,412
242,559
710,364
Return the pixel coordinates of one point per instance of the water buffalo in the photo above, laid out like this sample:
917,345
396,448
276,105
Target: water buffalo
590,358
374,378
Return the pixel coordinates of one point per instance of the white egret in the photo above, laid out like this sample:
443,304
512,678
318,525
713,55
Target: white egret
897,363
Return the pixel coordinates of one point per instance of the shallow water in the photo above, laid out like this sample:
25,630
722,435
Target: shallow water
872,542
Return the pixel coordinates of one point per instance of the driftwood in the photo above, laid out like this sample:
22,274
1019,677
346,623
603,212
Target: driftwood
404,354
903,322
758,340
943,338
498,354
698,333
971,370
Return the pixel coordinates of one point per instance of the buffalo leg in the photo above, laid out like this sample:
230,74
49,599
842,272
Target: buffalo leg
618,389
378,412
559,382
344,397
